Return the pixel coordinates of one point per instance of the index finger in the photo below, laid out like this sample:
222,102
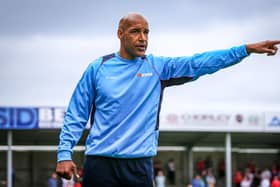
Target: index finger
275,42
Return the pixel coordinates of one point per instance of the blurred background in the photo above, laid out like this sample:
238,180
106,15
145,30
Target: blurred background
46,45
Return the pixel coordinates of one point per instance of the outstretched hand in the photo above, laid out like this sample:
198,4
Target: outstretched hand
269,47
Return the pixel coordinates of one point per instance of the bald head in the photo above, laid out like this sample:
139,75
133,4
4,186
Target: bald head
133,34
130,19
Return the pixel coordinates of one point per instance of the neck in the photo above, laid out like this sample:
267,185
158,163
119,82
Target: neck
126,56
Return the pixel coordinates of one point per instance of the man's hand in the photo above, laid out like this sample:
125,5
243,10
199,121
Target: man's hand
67,169
268,47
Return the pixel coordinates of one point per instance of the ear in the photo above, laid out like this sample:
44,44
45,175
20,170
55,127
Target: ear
120,33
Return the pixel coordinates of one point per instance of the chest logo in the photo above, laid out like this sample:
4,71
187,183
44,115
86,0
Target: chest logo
144,74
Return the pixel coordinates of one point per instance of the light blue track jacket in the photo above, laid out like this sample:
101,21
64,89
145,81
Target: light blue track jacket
125,98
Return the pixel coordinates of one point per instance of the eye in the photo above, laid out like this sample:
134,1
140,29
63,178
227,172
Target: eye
134,31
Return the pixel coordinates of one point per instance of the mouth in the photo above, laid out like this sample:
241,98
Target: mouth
141,47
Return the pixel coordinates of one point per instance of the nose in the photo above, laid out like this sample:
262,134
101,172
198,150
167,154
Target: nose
143,36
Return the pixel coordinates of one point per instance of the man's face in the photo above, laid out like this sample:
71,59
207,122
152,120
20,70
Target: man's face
134,38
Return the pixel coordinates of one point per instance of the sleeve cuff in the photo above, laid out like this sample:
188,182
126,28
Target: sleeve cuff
244,51
63,155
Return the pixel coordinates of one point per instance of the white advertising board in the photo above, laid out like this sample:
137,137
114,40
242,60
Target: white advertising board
215,121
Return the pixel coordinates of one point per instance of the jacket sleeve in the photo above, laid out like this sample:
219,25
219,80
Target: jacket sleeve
77,115
192,67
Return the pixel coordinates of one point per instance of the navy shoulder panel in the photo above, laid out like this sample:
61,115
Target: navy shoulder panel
107,57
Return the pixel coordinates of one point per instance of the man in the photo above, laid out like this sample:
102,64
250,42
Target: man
121,93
